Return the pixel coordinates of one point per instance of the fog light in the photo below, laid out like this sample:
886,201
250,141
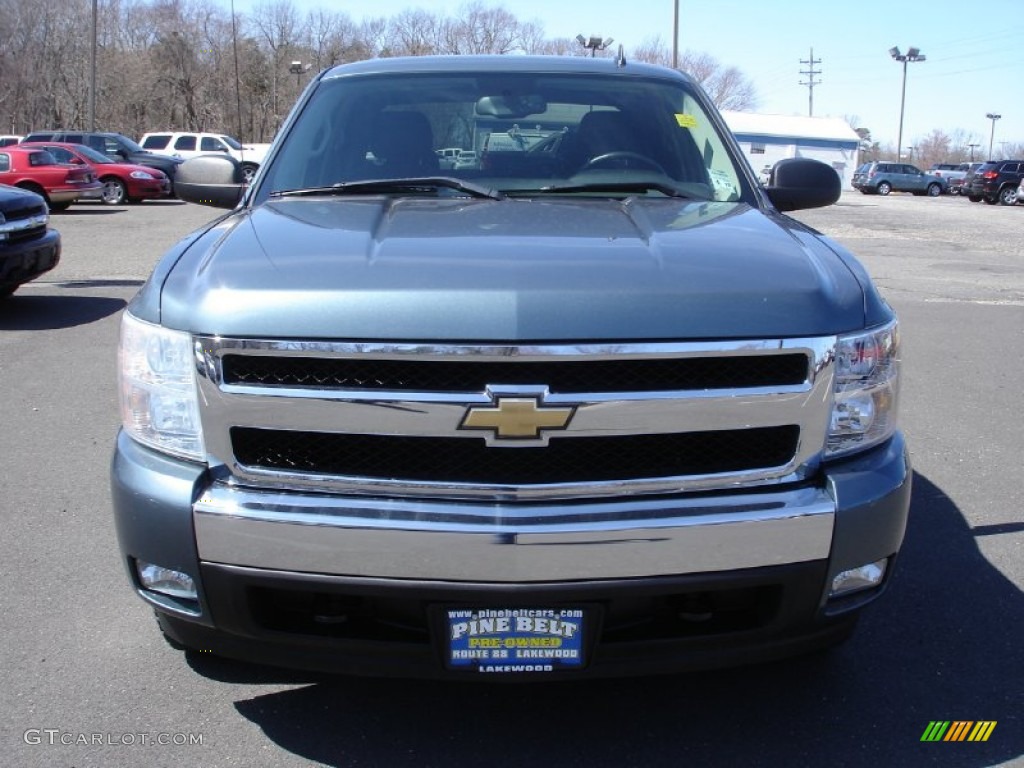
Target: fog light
856,579
167,581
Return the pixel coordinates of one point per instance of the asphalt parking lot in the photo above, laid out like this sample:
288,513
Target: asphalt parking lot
85,679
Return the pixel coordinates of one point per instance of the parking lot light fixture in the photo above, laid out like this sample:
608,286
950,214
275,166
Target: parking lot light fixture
912,55
298,69
993,117
595,43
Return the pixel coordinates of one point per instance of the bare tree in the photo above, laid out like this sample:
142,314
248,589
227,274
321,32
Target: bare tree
277,24
332,38
482,29
414,33
728,87
168,64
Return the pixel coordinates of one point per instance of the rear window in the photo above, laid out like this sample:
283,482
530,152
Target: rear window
41,157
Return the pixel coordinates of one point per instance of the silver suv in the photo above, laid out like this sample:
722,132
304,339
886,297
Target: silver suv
882,178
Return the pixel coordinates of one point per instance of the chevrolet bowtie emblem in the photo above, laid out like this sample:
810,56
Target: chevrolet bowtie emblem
517,418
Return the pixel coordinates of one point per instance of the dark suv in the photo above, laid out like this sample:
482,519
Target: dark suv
996,182
882,178
116,146
28,247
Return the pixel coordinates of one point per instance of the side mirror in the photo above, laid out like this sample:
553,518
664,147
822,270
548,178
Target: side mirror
215,180
798,182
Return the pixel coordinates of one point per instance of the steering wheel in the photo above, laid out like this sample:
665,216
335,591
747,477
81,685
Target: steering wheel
621,155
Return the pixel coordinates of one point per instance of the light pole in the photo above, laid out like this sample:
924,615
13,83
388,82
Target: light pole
912,55
594,43
675,36
993,117
972,146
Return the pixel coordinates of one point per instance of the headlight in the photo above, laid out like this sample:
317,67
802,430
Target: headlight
159,402
866,390
141,175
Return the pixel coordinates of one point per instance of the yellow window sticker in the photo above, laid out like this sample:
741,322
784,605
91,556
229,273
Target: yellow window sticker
686,121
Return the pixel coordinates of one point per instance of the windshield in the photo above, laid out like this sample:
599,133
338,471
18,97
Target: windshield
515,133
231,142
133,147
92,155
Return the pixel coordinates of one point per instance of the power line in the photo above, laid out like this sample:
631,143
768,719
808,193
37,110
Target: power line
810,72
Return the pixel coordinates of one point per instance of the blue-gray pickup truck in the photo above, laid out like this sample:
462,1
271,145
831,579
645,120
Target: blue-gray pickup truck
592,405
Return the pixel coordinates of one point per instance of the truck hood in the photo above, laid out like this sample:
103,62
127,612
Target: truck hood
413,269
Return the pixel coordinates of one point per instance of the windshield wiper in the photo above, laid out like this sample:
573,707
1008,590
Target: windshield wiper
377,186
619,186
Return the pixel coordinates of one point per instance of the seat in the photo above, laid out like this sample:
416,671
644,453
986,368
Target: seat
402,144
606,132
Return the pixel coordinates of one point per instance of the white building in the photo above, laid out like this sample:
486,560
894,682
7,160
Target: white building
766,139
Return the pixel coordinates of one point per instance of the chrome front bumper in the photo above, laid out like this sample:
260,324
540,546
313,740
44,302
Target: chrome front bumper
512,544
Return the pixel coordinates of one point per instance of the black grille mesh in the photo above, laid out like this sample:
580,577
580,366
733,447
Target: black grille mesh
471,461
562,376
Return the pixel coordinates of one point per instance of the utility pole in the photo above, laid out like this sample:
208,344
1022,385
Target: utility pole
92,71
238,80
810,72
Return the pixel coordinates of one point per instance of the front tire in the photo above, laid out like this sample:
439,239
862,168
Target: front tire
114,191
248,172
884,188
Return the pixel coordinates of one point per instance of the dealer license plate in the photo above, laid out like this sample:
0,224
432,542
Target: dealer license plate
515,640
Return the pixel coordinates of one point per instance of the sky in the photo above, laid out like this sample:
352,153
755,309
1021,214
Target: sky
972,68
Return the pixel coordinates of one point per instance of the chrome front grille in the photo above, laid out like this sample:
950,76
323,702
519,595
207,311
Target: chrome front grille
388,420
654,375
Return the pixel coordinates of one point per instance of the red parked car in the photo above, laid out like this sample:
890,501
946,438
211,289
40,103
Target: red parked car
122,182
38,171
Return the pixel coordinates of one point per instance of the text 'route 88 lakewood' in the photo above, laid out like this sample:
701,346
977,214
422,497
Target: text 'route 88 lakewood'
515,640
